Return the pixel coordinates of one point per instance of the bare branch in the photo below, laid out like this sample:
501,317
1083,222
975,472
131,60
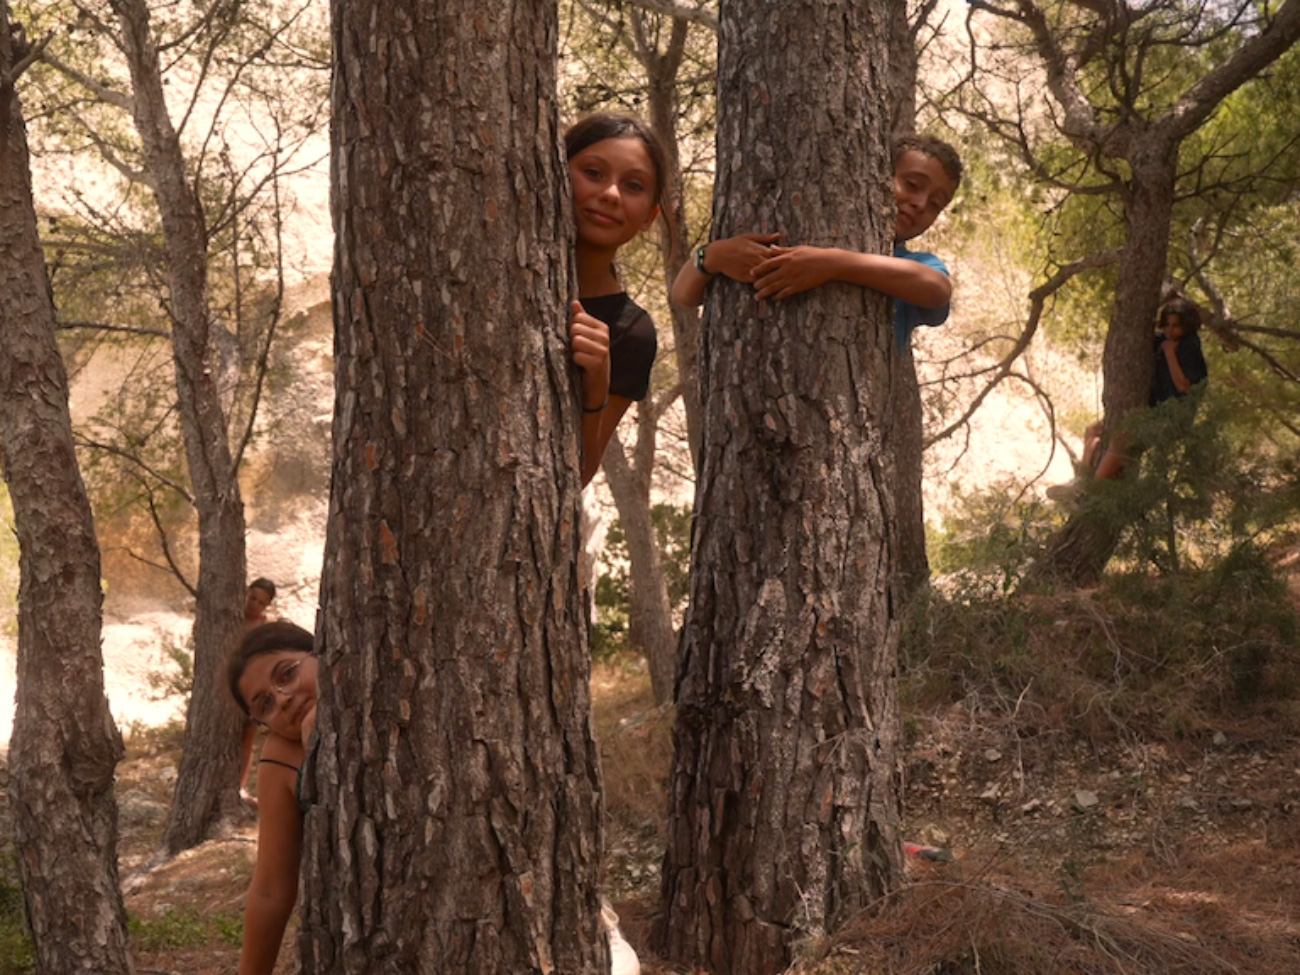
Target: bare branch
162,541
1257,53
26,58
696,14
126,455
1037,298
104,92
68,326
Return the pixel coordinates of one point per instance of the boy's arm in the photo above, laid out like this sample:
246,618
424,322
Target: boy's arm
792,270
733,256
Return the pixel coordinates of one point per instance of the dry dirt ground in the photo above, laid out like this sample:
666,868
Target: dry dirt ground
1068,857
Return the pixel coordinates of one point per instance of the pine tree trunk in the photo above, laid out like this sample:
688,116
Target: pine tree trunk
650,613
1080,550
65,745
207,786
784,797
456,825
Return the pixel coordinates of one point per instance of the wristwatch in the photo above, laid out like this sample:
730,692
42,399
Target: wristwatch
699,260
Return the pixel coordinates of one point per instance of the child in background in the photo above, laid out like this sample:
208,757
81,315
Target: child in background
1179,366
618,174
927,173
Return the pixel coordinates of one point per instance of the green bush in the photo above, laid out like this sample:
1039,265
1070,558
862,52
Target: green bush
17,955
672,527
1160,655
188,927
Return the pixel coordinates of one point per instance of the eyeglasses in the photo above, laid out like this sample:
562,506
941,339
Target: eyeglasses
284,681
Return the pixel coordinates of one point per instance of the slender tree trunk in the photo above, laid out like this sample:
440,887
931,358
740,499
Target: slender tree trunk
456,825
784,798
650,613
1078,553
65,745
207,786
675,243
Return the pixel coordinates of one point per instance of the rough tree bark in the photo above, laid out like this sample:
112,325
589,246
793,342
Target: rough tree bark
784,799
457,818
207,787
65,745
650,613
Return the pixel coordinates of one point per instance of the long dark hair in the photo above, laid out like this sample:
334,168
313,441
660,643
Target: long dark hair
1188,314
268,638
599,126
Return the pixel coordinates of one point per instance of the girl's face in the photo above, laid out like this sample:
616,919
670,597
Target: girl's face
280,689
614,191
1174,326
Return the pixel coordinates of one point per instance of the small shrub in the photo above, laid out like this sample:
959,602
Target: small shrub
17,955
182,928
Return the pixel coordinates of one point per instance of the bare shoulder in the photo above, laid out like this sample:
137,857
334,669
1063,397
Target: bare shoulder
280,749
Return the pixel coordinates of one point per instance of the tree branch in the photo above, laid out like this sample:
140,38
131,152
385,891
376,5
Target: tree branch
162,541
1257,53
116,451
697,14
67,326
1037,298
105,93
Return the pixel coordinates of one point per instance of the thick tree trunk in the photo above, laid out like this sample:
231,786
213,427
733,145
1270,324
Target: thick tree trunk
65,745
650,613
207,787
1078,553
456,825
785,789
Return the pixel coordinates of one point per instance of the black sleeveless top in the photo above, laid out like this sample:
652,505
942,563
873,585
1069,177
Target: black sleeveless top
632,343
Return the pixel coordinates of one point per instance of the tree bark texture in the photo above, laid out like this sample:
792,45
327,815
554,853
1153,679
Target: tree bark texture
650,612
207,786
456,825
784,798
65,745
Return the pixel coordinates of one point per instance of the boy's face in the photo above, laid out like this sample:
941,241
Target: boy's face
921,190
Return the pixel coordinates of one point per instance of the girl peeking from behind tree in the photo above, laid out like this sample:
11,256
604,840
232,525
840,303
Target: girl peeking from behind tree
272,677
617,171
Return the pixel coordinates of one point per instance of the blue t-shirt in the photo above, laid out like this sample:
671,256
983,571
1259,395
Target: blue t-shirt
907,317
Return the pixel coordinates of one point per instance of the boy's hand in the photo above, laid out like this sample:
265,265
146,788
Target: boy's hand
736,257
589,340
791,270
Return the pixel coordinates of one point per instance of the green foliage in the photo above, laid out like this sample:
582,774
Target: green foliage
1165,656
989,539
187,927
17,955
176,678
672,528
